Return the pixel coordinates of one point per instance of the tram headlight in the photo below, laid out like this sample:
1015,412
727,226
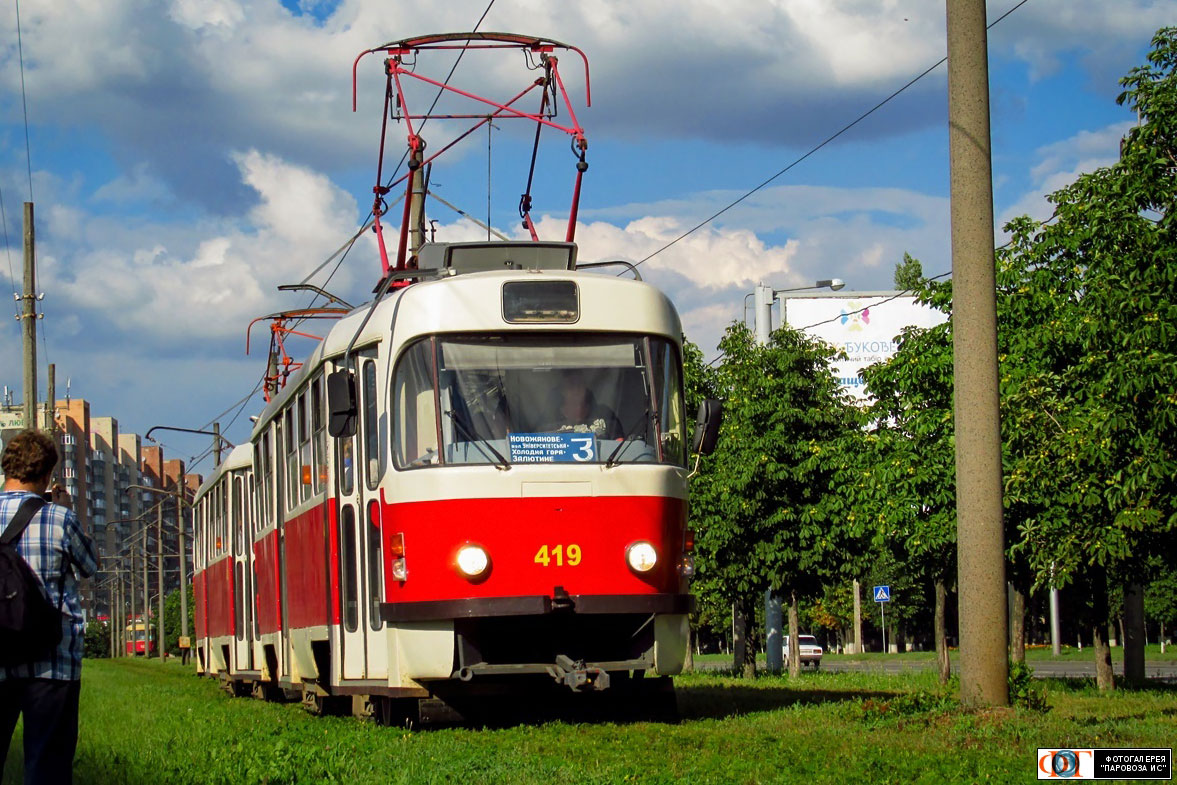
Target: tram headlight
641,556
473,561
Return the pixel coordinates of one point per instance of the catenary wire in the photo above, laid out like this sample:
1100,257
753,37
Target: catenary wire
817,147
23,101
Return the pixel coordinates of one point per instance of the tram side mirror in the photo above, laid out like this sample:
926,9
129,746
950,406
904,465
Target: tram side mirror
341,404
707,426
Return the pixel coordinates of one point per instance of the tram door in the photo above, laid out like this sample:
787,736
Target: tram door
361,464
242,572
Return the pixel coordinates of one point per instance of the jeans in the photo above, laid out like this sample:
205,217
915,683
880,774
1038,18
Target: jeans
50,709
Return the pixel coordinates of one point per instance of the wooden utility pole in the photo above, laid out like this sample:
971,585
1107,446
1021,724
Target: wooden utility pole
28,321
984,631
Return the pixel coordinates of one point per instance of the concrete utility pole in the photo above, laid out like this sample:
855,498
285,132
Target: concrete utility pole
1134,641
984,631
131,591
417,211
51,404
183,567
216,442
28,321
159,576
857,620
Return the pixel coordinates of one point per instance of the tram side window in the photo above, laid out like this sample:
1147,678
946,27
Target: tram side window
250,512
238,517
318,437
292,478
266,463
351,607
671,409
305,462
375,567
372,452
415,402
222,516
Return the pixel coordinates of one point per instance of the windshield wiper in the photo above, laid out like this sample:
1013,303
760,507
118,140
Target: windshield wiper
500,463
641,423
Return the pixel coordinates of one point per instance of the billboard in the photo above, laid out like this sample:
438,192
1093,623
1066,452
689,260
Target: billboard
863,325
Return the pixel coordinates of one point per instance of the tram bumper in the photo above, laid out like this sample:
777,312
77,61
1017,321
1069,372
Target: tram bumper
576,640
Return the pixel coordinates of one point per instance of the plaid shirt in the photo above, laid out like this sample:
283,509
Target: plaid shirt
53,538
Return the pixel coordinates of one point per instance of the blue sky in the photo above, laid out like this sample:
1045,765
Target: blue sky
188,156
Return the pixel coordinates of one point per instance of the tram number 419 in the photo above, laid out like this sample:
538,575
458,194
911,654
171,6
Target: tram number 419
559,554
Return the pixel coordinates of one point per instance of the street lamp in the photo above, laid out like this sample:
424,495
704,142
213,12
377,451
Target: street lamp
766,296
180,497
218,440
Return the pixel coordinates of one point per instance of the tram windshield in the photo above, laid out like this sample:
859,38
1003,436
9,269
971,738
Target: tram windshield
526,398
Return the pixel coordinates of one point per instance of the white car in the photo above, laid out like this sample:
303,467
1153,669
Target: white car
810,650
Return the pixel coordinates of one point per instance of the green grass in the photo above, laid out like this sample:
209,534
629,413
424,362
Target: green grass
143,722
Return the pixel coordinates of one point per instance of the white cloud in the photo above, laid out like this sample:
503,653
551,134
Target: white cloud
137,185
176,84
1060,164
858,235
173,296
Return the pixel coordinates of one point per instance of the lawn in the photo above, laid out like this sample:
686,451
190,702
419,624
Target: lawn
143,722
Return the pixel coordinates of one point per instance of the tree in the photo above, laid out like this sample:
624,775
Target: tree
767,509
96,644
908,480
1108,337
909,273
171,619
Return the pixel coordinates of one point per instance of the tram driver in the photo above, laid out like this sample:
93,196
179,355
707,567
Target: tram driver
577,410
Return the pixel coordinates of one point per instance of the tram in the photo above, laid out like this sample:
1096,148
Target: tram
474,487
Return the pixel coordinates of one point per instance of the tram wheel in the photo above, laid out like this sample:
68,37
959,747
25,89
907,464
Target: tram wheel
325,705
396,712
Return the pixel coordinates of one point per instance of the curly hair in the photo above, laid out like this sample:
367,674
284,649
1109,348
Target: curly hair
29,456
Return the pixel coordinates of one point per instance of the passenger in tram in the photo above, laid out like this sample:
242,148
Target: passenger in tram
578,411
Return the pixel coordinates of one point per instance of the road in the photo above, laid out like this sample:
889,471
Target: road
1043,669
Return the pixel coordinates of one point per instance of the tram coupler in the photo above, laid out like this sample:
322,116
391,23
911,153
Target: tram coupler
577,676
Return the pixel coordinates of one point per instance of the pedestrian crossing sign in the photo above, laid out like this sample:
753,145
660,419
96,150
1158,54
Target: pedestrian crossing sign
882,594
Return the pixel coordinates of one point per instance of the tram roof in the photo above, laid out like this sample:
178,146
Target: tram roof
240,457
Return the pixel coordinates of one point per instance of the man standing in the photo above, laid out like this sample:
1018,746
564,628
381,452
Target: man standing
46,690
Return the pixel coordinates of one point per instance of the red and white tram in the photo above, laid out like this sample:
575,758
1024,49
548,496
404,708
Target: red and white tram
507,497
475,484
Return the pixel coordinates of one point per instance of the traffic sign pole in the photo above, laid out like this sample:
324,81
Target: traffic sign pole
882,597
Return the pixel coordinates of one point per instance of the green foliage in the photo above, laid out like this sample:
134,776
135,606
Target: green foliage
765,506
909,273
1100,414
96,643
1023,692
924,704
1160,597
172,619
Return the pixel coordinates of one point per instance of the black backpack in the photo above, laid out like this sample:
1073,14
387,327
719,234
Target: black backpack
30,627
